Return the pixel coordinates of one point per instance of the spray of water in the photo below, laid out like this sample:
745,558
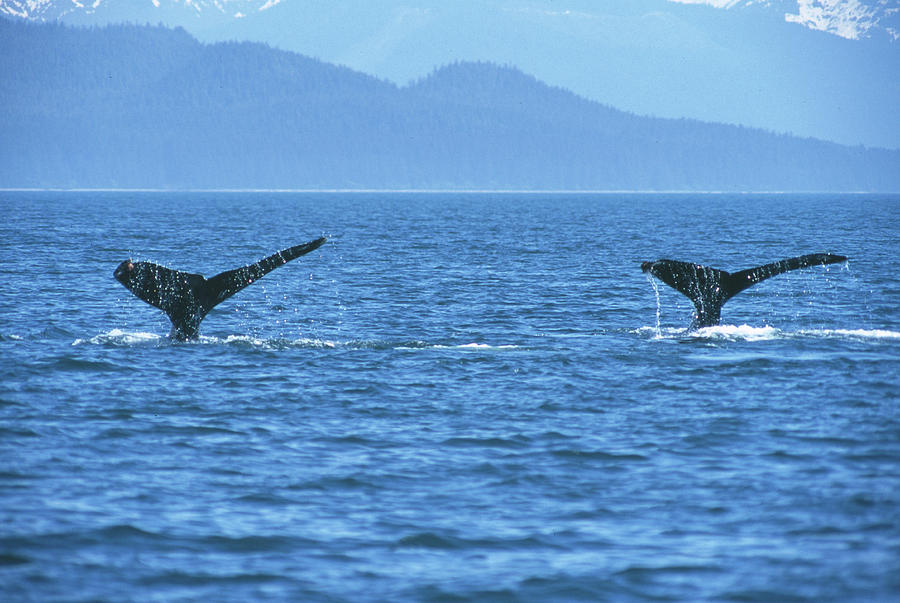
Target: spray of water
656,292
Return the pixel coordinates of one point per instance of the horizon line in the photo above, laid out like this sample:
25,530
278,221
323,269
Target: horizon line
442,191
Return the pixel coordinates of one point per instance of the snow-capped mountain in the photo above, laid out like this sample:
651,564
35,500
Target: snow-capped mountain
850,19
55,10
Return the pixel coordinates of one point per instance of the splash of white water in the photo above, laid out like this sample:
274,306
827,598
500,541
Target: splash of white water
656,292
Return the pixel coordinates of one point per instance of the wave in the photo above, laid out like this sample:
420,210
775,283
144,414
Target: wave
469,346
351,344
739,332
721,332
764,333
854,333
449,540
118,337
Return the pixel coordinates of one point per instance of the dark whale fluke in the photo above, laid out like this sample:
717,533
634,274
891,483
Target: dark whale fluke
187,298
709,288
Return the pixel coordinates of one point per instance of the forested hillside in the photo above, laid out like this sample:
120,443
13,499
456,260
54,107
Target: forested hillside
150,107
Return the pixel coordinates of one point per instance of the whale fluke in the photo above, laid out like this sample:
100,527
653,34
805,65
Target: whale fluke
709,288
187,298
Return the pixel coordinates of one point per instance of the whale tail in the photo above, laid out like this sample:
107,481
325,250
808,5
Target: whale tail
709,288
187,298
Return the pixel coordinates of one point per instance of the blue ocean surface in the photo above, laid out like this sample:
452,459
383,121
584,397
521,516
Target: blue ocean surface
458,397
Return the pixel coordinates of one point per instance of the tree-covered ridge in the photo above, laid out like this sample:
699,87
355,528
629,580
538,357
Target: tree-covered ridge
142,106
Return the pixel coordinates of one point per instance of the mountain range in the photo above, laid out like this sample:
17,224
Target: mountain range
814,68
152,107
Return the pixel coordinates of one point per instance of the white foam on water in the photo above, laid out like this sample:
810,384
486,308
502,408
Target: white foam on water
765,333
258,342
120,337
658,332
484,346
854,333
309,343
738,332
464,346
316,343
723,332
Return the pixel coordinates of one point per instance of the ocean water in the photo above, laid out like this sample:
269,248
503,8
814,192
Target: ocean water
459,397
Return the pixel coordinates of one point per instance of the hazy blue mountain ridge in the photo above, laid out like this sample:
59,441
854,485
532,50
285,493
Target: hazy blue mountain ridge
150,107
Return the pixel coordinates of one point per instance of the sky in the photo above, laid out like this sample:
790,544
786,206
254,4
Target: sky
827,69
